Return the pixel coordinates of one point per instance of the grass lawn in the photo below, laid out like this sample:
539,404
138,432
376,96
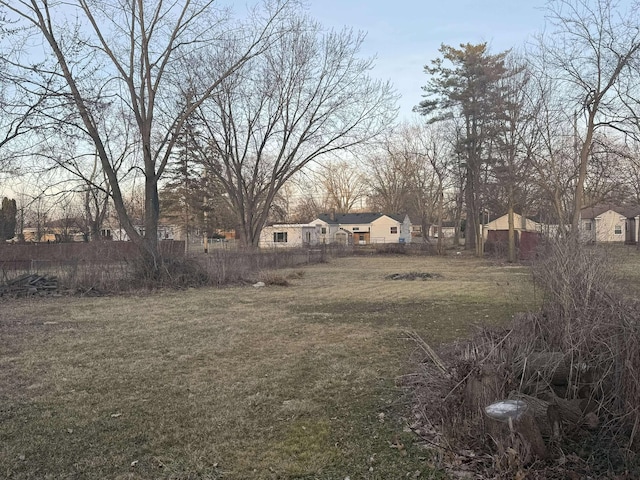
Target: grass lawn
269,383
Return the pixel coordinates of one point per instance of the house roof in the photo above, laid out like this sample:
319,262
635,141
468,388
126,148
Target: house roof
446,224
65,222
529,225
589,213
290,225
357,218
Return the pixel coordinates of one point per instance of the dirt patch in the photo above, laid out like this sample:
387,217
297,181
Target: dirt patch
413,276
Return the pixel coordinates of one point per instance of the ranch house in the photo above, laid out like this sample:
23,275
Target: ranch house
289,236
610,223
363,228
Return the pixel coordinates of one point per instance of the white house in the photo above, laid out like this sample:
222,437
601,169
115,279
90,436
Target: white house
448,230
165,232
363,228
289,236
609,223
520,224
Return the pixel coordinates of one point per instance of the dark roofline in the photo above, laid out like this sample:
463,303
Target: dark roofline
359,217
589,213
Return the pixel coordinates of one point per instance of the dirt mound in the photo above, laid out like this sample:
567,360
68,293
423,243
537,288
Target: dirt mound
412,276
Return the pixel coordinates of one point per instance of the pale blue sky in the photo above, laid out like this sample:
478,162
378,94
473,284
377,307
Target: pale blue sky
406,34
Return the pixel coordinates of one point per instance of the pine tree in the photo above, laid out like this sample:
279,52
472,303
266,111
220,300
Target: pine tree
467,89
8,222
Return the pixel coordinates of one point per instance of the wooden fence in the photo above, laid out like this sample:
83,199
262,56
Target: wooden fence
31,256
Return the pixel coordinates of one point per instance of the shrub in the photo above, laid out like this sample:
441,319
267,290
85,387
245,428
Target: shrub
575,364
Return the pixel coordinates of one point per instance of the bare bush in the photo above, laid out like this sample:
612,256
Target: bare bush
220,267
575,364
238,266
274,278
173,272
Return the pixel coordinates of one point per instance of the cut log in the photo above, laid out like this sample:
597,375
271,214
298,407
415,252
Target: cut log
548,367
29,284
527,428
484,386
546,421
570,410
520,433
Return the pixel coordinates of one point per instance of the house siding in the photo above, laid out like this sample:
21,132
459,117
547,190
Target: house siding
520,224
381,230
296,236
377,230
605,224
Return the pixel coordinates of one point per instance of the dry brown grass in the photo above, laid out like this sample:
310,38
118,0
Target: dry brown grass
236,383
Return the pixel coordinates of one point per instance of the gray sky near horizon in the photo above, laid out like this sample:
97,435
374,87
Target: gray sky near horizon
405,35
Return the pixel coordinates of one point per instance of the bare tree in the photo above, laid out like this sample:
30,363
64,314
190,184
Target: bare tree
630,171
589,47
609,174
19,102
343,184
309,96
306,197
78,167
514,133
411,172
435,147
550,150
140,54
389,173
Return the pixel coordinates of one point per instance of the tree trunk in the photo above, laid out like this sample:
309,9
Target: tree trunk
151,215
511,258
578,201
470,231
440,214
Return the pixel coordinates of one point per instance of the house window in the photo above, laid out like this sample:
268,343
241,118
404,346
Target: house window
324,230
356,229
587,226
394,230
617,230
280,237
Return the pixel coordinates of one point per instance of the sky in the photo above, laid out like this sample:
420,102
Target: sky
405,35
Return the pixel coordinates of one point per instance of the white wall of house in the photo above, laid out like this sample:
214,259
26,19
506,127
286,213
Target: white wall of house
387,230
289,236
606,227
447,232
165,232
382,230
326,231
520,224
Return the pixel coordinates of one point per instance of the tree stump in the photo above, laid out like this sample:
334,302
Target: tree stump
516,429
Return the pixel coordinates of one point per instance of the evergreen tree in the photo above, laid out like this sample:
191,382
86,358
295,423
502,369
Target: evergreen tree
8,215
191,198
465,84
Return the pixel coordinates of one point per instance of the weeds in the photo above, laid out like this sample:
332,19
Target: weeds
575,364
219,268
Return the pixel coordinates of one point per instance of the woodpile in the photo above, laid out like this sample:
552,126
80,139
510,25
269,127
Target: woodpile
29,284
543,380
563,400
574,365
